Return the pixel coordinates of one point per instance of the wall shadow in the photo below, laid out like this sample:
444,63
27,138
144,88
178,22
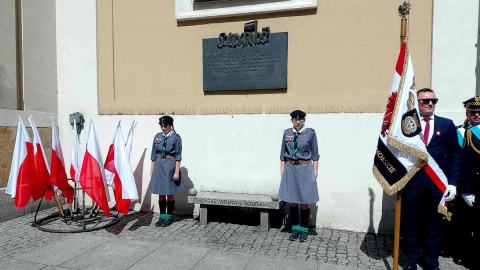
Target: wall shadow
182,207
138,175
141,219
379,245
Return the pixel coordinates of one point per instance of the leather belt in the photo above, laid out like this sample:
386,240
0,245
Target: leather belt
166,156
298,162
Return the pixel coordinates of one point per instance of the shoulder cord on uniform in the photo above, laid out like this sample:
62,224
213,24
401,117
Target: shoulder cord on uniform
469,141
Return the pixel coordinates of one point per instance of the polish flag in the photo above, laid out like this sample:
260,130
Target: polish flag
23,168
41,181
75,164
128,144
92,174
58,175
118,163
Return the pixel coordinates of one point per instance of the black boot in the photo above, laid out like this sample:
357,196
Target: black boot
163,207
294,236
168,219
304,216
294,220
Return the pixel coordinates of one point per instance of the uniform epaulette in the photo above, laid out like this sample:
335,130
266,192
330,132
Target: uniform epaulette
311,129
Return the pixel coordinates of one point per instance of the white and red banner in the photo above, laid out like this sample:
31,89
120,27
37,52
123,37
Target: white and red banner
57,166
22,169
401,152
42,182
92,174
118,163
129,143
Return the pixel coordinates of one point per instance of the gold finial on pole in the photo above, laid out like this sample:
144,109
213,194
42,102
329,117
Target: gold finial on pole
403,12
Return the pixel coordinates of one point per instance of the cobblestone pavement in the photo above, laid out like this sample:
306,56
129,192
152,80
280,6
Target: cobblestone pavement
365,251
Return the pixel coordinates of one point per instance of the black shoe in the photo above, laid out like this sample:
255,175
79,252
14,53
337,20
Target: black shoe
160,222
167,222
294,236
445,253
457,261
287,229
303,236
410,267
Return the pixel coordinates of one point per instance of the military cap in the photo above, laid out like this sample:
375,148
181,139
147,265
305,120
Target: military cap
472,104
298,114
166,120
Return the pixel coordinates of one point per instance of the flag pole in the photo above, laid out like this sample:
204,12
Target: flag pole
403,11
477,68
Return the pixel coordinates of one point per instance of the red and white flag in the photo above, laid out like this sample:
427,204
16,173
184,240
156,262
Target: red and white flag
22,169
401,152
118,163
92,174
57,173
75,163
41,183
129,143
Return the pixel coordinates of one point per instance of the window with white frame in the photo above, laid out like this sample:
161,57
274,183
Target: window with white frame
205,9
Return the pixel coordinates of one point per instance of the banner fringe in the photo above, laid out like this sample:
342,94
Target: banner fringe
442,209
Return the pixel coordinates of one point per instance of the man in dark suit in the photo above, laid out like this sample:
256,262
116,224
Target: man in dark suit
421,196
467,211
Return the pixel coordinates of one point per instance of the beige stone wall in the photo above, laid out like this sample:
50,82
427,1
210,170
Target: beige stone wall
7,144
341,58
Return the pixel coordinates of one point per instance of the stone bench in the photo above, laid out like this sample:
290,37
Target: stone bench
264,202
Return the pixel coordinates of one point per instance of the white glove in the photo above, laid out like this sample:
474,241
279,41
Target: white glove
450,193
469,199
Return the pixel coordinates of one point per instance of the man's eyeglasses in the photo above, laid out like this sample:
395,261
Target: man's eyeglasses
428,100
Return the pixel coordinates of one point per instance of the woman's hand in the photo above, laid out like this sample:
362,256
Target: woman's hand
176,176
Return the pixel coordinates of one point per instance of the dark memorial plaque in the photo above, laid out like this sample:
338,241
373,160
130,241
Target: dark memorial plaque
247,61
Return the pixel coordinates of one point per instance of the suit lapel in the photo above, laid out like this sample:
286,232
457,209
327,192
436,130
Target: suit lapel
437,127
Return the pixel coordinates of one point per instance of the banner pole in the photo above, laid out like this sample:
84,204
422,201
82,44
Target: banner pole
403,11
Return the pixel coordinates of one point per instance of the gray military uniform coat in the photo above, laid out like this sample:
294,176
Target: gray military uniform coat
299,184
162,176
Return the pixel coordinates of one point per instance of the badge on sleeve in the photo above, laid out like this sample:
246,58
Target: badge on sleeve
290,138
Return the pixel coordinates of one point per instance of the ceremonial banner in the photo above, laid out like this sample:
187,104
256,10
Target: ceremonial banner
92,174
401,152
23,168
57,166
118,163
42,180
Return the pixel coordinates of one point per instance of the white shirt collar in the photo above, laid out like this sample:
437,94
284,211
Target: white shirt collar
168,134
300,131
431,117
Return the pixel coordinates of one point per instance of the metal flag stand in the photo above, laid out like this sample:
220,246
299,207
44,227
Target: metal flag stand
77,221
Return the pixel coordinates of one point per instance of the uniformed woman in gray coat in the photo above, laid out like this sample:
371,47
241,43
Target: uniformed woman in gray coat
299,169
165,169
